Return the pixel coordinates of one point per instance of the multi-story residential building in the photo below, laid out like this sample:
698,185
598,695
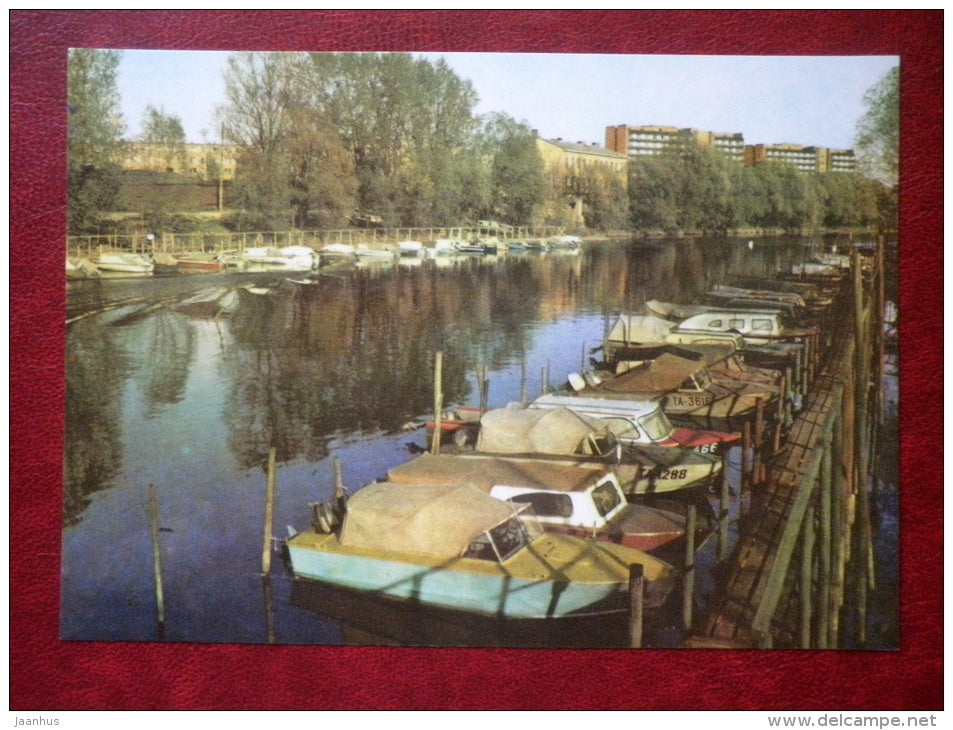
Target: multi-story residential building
575,169
805,159
204,161
657,140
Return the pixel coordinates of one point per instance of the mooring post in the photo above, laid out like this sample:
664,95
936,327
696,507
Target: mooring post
723,510
780,415
688,591
636,604
437,401
759,440
269,511
543,381
839,529
156,555
824,564
745,460
807,571
523,378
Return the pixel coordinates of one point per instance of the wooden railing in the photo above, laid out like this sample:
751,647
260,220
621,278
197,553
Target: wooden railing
174,243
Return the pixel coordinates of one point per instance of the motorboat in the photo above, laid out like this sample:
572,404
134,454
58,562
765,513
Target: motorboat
126,263
459,548
568,499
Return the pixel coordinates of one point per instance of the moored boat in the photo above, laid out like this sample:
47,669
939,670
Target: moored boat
126,263
457,547
568,499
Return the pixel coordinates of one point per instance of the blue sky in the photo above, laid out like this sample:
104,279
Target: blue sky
809,100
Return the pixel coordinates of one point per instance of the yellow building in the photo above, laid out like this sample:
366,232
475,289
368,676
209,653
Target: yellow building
204,161
573,170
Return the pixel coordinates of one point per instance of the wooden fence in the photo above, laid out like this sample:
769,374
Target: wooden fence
178,243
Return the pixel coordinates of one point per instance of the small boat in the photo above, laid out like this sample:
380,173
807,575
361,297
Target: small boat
289,258
336,251
443,247
200,263
411,249
457,547
565,241
127,263
364,251
566,436
568,499
537,245
478,246
687,391
640,422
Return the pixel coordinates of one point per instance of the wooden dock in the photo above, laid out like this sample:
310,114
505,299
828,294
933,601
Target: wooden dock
804,547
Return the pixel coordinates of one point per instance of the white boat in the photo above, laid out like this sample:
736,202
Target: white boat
443,247
456,547
288,258
565,241
127,263
365,251
411,249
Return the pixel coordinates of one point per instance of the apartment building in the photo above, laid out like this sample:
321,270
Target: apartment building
805,159
657,140
204,161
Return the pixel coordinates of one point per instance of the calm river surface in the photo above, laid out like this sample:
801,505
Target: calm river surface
184,384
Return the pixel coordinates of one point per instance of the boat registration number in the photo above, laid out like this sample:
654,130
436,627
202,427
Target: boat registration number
690,401
674,474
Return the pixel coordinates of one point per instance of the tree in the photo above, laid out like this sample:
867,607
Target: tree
516,169
94,137
166,132
878,132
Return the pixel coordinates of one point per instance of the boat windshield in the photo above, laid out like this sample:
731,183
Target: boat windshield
703,378
508,537
606,498
505,540
657,425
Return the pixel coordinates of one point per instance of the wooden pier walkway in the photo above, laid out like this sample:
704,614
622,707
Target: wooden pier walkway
804,547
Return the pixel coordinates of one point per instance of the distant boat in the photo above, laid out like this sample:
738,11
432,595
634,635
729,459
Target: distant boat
565,241
289,258
412,249
478,246
457,547
127,263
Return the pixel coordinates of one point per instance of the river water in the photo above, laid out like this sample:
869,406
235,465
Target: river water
182,385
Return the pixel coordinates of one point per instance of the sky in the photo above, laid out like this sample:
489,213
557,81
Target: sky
806,100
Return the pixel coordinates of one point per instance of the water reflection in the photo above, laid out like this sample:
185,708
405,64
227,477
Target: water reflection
188,382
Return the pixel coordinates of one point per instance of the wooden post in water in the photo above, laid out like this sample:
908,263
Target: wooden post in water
437,401
745,460
636,604
759,440
838,531
523,378
723,510
156,555
543,381
782,401
269,511
807,570
688,590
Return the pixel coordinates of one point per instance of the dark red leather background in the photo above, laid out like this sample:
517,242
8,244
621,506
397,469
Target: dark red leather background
47,674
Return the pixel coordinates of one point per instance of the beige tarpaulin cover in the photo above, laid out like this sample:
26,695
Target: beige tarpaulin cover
662,375
530,431
631,328
430,520
489,471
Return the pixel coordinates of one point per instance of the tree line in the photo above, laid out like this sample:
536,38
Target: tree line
330,135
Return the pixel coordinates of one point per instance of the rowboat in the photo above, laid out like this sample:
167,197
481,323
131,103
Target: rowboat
457,547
